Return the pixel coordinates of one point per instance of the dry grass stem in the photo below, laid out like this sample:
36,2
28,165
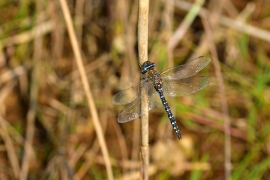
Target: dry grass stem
77,155
16,136
183,27
38,31
130,23
14,161
30,122
224,105
230,23
31,114
218,125
143,56
86,86
58,30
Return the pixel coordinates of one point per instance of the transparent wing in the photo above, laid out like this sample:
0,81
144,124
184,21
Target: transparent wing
134,110
132,93
189,69
183,87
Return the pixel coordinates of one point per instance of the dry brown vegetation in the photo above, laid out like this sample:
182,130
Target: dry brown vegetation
47,129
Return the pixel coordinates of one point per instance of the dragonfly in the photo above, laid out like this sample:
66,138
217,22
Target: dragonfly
154,86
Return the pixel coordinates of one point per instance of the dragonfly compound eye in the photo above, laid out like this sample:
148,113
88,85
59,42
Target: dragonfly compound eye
146,66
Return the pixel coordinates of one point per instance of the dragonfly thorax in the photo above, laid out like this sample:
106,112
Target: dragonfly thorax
149,68
155,77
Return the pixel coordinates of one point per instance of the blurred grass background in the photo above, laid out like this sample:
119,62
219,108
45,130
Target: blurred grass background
39,81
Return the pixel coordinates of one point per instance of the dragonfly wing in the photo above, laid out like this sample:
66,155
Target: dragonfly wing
132,93
183,87
189,69
134,109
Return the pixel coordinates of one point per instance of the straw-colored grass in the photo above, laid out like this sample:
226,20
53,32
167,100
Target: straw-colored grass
57,120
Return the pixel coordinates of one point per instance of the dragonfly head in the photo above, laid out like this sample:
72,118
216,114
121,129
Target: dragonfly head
146,66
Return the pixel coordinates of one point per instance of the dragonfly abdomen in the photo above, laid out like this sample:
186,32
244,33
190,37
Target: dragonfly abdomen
169,113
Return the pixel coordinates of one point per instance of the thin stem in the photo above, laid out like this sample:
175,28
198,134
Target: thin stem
183,27
230,23
143,56
91,104
30,131
224,105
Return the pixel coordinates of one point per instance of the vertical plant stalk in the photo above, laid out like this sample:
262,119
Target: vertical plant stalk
224,105
30,130
143,56
86,86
